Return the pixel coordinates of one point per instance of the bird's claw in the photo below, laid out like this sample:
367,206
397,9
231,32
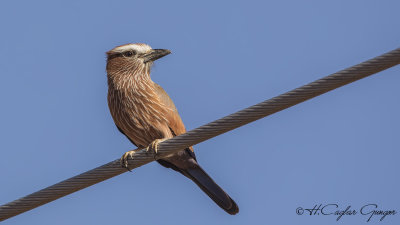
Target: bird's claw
153,146
125,157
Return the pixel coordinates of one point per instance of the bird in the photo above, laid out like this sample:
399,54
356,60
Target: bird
146,115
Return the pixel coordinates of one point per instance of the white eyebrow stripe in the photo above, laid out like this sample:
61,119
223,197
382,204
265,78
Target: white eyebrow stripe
140,48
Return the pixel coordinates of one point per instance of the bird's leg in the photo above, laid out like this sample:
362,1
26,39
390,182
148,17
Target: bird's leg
153,146
126,156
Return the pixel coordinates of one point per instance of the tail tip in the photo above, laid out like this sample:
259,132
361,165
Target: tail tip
234,209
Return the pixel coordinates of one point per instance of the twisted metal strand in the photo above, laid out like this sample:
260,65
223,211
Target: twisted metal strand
203,133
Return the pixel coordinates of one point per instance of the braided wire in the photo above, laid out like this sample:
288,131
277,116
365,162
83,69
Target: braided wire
203,133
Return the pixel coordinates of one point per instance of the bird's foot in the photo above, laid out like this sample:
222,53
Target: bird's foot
153,146
125,157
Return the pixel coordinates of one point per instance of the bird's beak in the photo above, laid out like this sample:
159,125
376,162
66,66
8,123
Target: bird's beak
155,54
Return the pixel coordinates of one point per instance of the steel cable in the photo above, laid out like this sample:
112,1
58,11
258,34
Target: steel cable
203,133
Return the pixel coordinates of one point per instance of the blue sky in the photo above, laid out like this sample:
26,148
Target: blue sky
340,148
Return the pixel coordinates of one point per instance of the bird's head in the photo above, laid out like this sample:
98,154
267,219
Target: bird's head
133,58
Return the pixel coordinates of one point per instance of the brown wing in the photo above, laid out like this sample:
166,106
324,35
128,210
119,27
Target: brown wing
174,120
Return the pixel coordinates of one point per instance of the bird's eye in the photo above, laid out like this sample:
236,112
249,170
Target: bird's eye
129,54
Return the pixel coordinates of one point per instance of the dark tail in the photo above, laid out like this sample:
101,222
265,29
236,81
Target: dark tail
201,178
